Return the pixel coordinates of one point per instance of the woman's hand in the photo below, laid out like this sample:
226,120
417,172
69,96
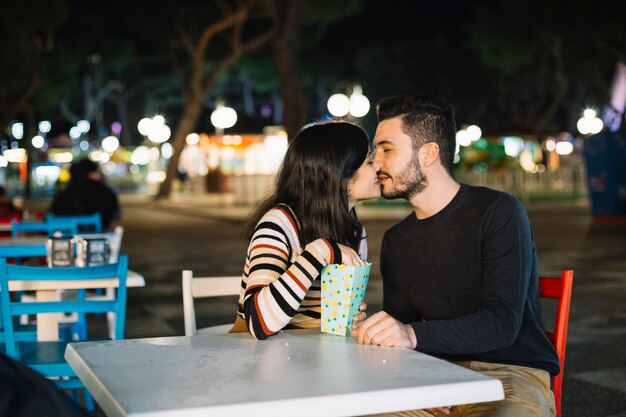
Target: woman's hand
349,256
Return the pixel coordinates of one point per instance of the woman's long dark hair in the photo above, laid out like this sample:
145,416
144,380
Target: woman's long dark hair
313,179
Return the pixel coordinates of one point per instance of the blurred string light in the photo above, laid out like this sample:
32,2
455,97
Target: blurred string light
223,117
75,132
110,144
17,130
38,141
155,129
17,155
62,157
45,126
48,173
167,150
467,135
116,128
192,139
140,156
462,138
564,148
589,124
339,105
527,162
359,104
83,125
513,145
474,132
153,177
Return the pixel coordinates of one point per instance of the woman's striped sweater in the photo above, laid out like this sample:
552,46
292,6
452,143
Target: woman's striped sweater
279,286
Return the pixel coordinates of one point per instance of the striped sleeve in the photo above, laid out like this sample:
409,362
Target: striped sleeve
275,286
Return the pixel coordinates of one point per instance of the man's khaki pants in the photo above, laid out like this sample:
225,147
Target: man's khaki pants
526,394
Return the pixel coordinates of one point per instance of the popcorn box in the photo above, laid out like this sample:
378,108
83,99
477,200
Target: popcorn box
343,290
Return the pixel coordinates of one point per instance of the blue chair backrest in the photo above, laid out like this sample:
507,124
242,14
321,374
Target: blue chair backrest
23,250
18,227
63,222
69,225
11,308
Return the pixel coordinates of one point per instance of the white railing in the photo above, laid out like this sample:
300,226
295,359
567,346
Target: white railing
568,180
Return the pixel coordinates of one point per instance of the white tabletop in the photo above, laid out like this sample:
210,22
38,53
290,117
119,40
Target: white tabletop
301,372
133,279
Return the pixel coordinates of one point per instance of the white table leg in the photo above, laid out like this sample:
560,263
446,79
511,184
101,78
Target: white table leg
47,323
110,294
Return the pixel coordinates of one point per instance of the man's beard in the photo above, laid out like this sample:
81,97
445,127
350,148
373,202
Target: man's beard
408,183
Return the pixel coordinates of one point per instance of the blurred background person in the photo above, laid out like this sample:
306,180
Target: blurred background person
87,193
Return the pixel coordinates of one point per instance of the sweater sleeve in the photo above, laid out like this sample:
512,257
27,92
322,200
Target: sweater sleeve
507,260
276,287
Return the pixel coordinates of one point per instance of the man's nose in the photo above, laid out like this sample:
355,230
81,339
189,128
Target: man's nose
377,160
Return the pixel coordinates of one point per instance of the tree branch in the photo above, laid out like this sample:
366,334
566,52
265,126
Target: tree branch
185,40
226,11
211,30
184,75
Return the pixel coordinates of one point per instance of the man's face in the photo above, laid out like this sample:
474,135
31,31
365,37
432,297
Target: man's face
400,174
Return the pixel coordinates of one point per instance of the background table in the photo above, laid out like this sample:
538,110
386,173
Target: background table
298,372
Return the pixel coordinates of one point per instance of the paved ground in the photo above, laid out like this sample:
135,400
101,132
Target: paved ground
204,234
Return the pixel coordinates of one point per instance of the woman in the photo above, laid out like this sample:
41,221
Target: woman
308,222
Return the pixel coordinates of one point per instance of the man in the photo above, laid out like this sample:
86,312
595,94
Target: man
86,193
460,273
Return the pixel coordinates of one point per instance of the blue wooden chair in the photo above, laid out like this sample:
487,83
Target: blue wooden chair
93,222
16,253
48,357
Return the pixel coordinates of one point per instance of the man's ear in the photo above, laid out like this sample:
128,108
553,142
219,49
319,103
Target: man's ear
430,153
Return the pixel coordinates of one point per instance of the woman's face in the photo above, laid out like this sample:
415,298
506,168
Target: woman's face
364,184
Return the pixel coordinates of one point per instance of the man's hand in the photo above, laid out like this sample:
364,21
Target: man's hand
383,330
358,319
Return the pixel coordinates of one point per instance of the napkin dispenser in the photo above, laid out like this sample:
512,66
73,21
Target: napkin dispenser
92,251
60,252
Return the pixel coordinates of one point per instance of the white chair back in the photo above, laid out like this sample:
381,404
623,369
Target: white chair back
203,287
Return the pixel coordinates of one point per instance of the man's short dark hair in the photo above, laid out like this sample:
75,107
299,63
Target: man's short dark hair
425,118
80,169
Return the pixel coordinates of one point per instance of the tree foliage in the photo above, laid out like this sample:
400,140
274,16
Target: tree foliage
544,57
27,32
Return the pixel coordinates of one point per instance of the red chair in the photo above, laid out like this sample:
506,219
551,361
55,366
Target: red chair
559,288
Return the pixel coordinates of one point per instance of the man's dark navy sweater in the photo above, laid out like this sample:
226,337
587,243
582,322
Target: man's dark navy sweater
466,279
